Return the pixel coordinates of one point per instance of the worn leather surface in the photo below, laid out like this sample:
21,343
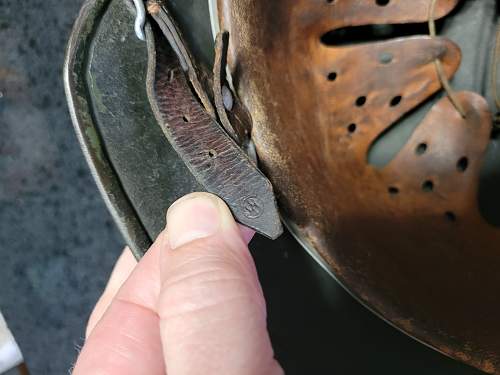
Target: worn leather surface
212,156
407,238
235,120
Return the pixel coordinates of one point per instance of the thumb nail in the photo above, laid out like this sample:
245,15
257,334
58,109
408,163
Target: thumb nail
195,216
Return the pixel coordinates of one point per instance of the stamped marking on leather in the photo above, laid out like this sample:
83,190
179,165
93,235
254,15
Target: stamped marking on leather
252,207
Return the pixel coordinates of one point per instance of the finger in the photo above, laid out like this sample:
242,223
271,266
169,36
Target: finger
126,339
246,233
122,270
211,306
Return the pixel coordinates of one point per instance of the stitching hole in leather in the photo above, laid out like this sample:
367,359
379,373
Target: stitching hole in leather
393,190
382,3
361,101
450,216
212,153
351,128
185,118
396,100
462,164
332,76
428,186
421,149
495,133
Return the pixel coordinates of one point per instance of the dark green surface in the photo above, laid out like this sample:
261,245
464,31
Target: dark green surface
135,144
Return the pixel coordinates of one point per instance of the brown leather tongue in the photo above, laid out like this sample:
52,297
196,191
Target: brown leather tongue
408,238
439,166
362,90
340,13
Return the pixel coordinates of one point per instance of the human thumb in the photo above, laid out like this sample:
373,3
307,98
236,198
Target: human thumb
211,307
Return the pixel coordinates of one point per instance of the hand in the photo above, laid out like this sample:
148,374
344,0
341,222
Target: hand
192,305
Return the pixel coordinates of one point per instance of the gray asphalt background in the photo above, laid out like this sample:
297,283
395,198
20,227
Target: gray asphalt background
57,241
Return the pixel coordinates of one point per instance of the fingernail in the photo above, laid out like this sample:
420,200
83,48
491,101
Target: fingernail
193,217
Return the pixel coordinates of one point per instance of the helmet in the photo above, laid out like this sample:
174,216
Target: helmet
370,121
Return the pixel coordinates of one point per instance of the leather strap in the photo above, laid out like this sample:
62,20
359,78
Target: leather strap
221,44
216,161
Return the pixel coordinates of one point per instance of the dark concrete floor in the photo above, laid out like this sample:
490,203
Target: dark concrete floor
57,241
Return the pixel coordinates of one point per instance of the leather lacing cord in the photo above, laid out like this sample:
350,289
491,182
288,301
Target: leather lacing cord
439,67
446,83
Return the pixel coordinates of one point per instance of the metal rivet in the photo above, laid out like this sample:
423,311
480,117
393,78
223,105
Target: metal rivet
227,98
385,57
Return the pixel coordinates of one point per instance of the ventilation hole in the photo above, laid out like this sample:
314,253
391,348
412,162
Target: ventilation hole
495,130
393,190
332,76
450,216
396,100
185,118
462,164
428,186
385,58
421,149
382,3
352,128
361,101
495,133
212,153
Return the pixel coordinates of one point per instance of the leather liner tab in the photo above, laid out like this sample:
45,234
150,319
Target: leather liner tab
213,158
170,31
221,44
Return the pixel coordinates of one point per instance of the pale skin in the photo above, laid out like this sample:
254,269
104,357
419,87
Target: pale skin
193,305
